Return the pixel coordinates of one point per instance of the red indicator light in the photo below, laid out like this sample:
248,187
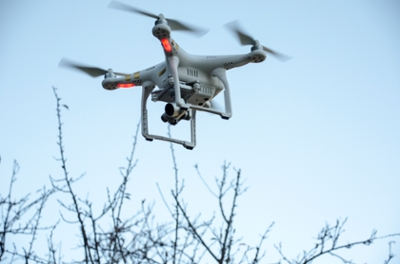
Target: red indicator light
166,45
125,85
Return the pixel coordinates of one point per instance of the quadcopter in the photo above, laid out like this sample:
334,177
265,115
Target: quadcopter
186,83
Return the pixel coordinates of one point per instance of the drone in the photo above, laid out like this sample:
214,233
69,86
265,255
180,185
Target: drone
186,83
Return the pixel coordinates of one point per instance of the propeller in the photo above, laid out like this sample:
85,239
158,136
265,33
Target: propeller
246,39
173,23
92,71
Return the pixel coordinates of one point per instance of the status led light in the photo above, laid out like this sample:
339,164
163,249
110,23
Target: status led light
166,45
125,85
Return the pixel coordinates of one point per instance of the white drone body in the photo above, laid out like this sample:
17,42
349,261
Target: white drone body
186,83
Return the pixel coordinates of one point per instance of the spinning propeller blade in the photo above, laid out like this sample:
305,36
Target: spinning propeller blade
246,39
128,8
173,23
92,71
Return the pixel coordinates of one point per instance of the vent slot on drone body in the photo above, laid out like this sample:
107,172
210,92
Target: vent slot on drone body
192,72
227,65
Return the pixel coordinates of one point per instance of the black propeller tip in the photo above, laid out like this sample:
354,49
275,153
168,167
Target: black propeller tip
89,70
128,8
173,23
245,39
242,36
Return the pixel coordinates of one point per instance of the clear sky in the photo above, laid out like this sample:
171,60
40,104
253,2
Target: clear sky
316,137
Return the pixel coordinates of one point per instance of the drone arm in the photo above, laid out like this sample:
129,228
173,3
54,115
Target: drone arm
139,78
111,82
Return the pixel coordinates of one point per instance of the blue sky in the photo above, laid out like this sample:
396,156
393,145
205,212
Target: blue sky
317,137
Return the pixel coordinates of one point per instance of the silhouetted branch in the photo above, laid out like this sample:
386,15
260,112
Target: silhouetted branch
204,182
107,236
391,255
21,217
68,181
327,244
225,235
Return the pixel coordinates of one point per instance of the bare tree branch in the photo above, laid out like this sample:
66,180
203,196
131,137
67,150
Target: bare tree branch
107,235
327,244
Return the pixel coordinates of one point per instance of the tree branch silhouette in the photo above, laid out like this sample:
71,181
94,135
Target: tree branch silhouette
107,235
